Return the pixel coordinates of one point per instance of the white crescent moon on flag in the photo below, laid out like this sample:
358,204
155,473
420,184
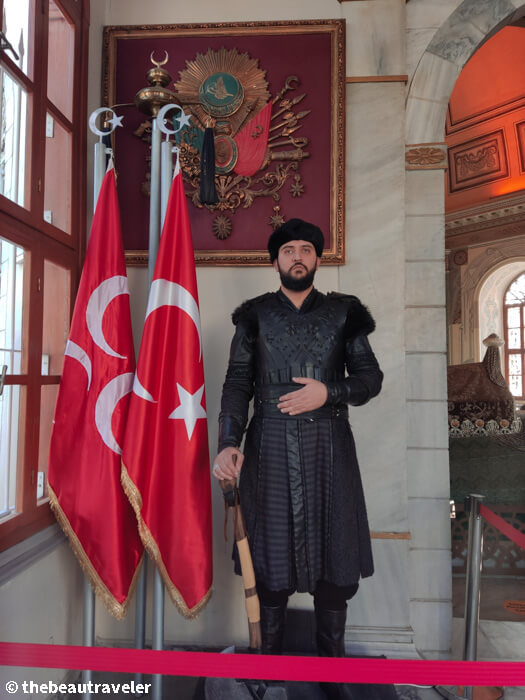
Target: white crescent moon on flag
108,398
141,392
98,302
166,293
77,353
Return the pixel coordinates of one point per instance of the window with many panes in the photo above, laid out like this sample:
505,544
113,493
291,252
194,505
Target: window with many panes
514,315
43,94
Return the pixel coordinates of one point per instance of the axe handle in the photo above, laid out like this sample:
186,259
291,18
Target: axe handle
231,496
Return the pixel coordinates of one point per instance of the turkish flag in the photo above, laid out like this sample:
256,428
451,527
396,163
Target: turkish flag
165,462
90,415
252,141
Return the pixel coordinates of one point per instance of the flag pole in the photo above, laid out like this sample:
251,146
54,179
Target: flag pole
162,167
154,237
155,101
101,151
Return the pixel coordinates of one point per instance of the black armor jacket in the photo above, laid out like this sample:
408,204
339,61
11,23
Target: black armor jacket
300,481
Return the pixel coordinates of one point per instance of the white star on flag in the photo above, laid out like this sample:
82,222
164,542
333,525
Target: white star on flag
190,409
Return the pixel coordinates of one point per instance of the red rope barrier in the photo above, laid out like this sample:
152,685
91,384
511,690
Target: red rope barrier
290,668
503,526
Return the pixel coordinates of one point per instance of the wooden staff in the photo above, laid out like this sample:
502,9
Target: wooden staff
231,499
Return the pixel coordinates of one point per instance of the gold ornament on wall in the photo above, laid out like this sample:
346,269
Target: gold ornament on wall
228,91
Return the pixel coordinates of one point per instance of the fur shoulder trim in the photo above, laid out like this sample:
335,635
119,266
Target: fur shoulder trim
359,320
245,312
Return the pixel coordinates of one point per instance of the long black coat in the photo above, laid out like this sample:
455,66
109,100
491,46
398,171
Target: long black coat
300,486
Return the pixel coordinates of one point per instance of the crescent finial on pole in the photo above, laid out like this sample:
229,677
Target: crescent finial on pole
159,63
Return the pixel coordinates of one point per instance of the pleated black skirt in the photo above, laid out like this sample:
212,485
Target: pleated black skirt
303,503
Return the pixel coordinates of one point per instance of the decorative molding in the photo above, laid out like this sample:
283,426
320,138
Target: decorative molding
390,535
475,273
377,78
452,126
18,558
460,257
426,156
520,137
499,212
477,162
393,642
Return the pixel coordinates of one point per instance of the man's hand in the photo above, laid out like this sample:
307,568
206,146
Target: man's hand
224,466
313,395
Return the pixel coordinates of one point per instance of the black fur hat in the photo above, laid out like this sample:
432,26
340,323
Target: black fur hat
295,230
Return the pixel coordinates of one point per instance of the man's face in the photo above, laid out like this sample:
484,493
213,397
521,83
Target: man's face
297,263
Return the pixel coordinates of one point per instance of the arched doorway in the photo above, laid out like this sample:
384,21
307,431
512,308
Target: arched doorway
431,85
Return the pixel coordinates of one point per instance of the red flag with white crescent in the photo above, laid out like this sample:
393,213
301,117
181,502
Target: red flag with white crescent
252,141
88,431
165,462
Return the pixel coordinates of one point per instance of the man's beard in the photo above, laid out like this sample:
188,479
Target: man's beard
297,284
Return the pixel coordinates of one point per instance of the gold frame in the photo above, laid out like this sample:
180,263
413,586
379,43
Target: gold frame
335,254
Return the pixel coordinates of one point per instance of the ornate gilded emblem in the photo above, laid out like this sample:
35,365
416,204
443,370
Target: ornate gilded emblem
257,144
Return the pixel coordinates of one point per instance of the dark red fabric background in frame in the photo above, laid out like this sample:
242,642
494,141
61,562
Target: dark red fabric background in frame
307,56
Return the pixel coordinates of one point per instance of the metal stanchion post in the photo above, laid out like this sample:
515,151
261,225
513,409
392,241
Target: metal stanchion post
88,636
158,629
472,592
140,612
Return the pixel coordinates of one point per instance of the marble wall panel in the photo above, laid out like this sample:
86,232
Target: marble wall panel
432,623
430,523
434,78
425,237
382,599
375,243
417,41
485,14
427,423
422,14
456,39
426,580
426,329
375,203
165,12
375,37
425,283
425,120
426,377
425,193
428,473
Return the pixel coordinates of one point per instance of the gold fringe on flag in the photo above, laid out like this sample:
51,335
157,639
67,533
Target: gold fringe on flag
152,549
118,610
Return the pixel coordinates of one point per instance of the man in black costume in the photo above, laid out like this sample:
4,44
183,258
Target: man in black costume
300,486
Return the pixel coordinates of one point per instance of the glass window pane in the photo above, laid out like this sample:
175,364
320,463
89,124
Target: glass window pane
14,133
516,292
515,385
60,60
57,282
11,306
12,401
513,317
47,413
514,338
15,25
57,194
514,364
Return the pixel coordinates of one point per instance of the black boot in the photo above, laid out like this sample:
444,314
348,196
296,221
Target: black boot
272,628
331,642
